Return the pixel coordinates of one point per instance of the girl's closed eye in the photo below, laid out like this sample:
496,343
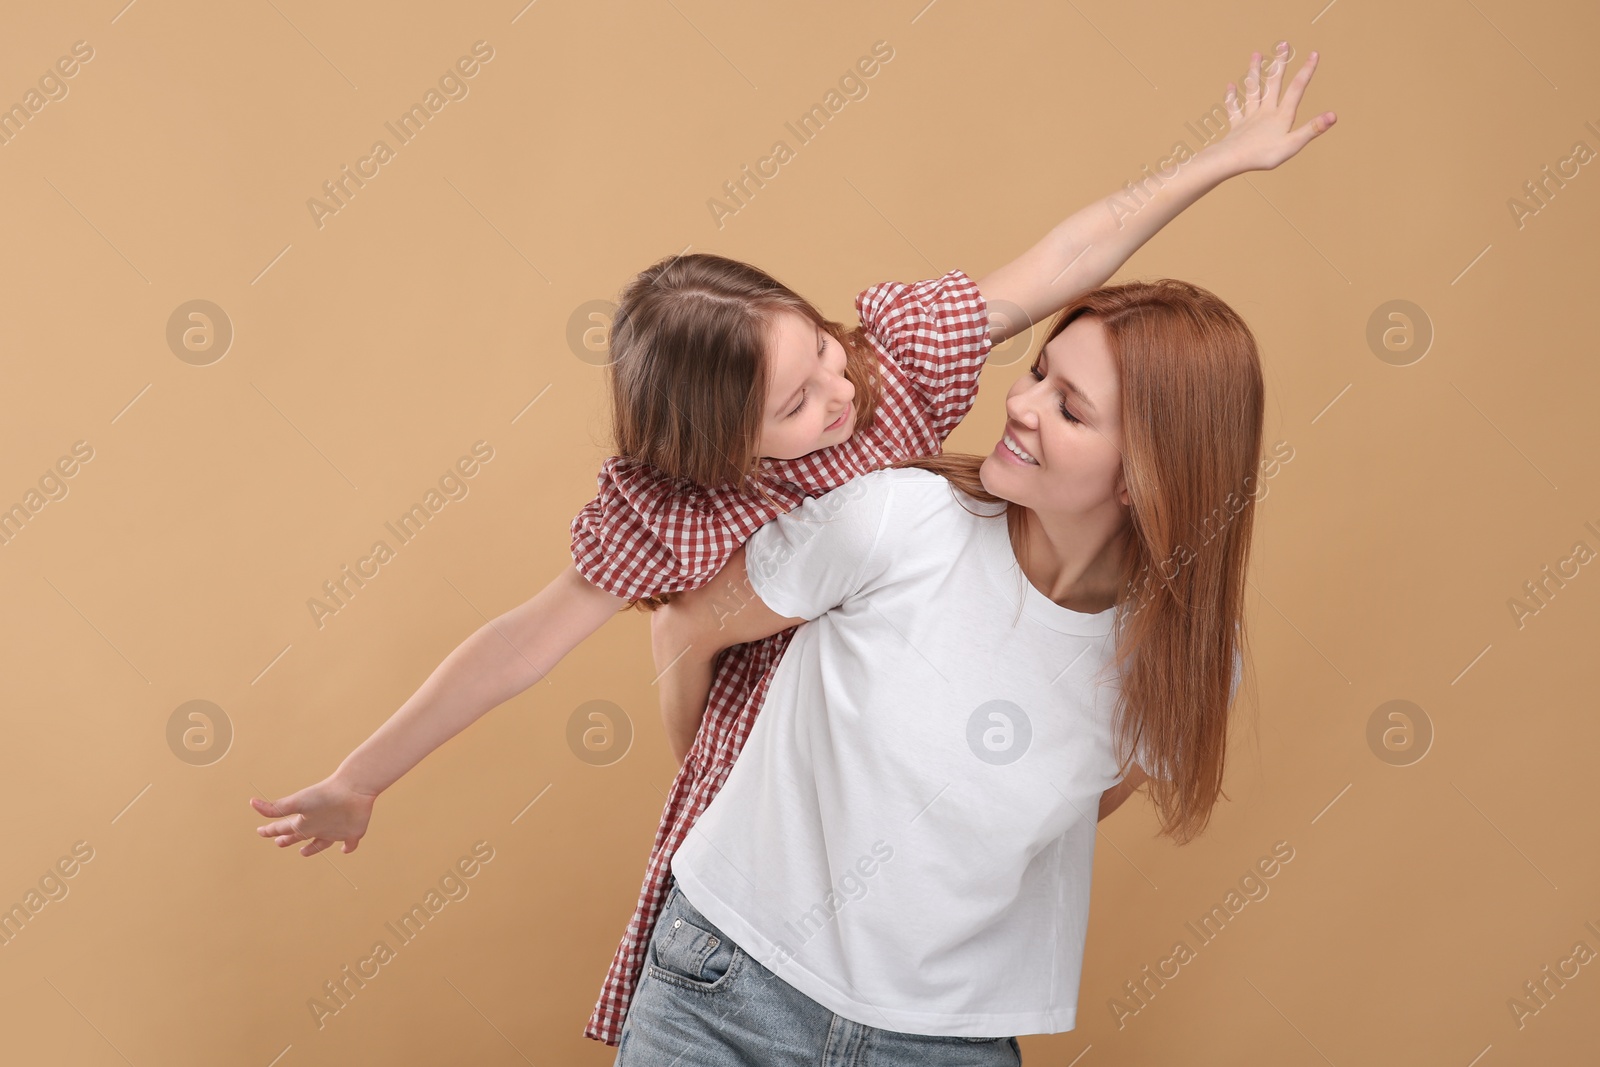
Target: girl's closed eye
822,347
1039,376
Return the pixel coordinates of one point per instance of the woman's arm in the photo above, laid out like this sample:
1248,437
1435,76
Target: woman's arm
687,634
500,659
1112,798
1086,249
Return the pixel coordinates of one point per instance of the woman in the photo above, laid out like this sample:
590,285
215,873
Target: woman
897,869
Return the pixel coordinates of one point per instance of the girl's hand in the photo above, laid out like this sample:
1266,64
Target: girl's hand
1262,134
323,813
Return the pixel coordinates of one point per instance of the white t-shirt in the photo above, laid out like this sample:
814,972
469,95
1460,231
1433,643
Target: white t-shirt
907,835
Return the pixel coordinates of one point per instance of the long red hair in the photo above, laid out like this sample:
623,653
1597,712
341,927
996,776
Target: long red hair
1191,413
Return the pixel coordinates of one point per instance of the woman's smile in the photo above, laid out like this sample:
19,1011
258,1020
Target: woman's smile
1014,452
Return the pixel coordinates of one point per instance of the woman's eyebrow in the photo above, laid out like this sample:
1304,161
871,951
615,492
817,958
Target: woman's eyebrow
1083,398
1071,388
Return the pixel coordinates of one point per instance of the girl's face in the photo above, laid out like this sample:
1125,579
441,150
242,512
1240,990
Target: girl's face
1063,414
809,402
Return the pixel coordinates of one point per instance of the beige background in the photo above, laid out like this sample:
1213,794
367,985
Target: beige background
431,312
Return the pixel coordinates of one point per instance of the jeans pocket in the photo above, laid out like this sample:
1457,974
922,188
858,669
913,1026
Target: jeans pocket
690,956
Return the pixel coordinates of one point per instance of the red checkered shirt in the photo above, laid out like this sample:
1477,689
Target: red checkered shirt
645,534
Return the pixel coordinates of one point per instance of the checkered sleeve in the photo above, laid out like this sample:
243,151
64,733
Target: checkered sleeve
646,533
937,331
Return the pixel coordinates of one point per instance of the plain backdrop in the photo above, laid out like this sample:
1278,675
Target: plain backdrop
1441,860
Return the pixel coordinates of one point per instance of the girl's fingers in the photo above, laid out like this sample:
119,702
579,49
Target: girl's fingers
1232,100
1297,86
1252,85
1312,130
283,810
1275,76
289,830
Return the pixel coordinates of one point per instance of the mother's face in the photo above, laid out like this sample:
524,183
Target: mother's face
1064,414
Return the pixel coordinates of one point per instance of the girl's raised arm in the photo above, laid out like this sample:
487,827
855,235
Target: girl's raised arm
1086,249
499,660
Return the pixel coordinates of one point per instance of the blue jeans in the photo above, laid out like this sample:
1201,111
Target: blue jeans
704,1002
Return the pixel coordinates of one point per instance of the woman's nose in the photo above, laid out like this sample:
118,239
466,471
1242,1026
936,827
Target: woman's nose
1019,410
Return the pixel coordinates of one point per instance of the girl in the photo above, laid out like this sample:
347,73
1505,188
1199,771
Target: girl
897,869
727,416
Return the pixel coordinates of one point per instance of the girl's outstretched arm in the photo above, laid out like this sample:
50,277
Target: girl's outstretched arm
1086,249
687,634
499,660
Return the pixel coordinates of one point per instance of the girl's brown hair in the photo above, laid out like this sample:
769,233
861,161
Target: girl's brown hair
1191,415
689,365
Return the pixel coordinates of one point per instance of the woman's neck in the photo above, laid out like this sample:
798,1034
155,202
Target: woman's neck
1076,561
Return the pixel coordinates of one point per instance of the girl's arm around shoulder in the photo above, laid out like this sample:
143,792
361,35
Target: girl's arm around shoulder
687,634
722,613
809,559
